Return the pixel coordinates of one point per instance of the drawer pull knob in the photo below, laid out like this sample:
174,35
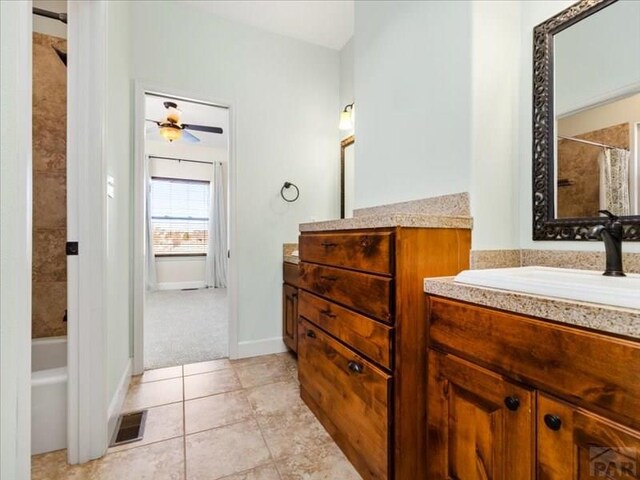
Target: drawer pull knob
553,422
327,313
311,334
512,403
329,278
355,367
328,244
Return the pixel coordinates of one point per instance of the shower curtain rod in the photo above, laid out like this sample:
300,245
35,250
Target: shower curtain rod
46,13
181,160
595,144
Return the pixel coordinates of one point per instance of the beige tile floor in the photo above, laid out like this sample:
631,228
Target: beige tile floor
231,420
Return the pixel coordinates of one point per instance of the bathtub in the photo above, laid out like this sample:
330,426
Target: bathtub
48,394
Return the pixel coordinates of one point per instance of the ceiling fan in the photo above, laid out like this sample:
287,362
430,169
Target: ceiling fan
171,129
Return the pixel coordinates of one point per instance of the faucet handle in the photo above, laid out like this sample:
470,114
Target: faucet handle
609,215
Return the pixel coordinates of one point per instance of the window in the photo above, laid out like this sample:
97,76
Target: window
179,216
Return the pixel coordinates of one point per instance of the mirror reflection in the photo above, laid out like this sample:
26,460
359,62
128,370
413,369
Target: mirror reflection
597,113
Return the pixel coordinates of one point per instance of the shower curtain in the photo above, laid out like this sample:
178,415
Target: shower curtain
150,259
216,266
614,180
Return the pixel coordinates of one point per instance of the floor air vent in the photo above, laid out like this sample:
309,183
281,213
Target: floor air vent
130,428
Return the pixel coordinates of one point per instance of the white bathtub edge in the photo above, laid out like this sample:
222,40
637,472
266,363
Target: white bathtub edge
115,405
49,376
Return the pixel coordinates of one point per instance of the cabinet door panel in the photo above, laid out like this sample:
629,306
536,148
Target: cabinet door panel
351,393
579,445
480,425
290,316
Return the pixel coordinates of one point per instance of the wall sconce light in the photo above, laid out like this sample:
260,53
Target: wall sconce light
346,118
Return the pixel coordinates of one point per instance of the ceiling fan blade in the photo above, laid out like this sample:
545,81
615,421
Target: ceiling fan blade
201,128
189,138
153,121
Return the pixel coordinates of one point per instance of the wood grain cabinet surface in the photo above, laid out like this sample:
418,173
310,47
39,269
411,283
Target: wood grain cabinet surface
291,279
517,397
362,339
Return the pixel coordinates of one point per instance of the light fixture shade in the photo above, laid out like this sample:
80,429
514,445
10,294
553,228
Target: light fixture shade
346,119
170,133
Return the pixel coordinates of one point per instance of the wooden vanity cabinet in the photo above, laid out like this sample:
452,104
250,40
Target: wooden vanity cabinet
515,397
362,345
480,424
290,306
576,444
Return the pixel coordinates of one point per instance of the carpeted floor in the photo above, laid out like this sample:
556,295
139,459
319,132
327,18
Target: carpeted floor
183,327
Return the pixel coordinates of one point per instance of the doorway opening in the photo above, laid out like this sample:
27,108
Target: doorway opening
49,228
186,224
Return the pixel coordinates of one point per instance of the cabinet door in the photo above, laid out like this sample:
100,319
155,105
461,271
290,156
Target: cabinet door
574,444
480,425
290,316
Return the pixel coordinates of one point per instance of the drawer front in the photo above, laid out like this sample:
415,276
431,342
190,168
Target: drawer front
368,252
367,336
368,294
588,368
351,392
291,274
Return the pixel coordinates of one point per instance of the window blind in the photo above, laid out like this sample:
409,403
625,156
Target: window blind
180,216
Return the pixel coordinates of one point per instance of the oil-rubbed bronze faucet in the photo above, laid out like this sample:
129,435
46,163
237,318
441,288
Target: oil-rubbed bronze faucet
611,233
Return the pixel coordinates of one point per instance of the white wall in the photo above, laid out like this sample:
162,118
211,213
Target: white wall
284,97
413,85
15,240
597,58
494,115
347,95
444,105
119,155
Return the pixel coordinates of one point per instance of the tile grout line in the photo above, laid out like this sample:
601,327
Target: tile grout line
255,418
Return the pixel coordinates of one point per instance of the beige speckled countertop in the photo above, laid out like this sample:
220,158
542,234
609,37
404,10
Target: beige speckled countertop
292,259
620,321
383,220
290,253
445,211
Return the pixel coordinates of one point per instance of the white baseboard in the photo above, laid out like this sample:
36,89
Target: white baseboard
115,405
261,347
180,285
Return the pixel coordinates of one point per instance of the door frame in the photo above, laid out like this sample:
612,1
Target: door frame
16,245
87,403
139,217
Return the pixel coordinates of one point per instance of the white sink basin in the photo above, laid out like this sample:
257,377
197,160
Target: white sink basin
580,285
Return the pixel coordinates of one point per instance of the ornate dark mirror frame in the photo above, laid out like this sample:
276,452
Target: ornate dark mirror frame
545,225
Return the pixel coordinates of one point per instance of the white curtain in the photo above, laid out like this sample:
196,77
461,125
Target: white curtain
216,266
150,259
614,180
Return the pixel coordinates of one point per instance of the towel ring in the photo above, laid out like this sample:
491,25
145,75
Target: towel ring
287,185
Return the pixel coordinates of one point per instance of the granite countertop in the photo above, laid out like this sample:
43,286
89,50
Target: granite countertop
446,211
383,220
620,321
290,253
292,259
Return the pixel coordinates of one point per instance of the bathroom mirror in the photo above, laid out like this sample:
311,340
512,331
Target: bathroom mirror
586,119
347,157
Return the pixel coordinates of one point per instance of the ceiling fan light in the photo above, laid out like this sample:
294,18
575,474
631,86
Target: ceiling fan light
173,115
170,133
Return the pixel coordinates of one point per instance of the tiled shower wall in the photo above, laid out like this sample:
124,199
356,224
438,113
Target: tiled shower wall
49,294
